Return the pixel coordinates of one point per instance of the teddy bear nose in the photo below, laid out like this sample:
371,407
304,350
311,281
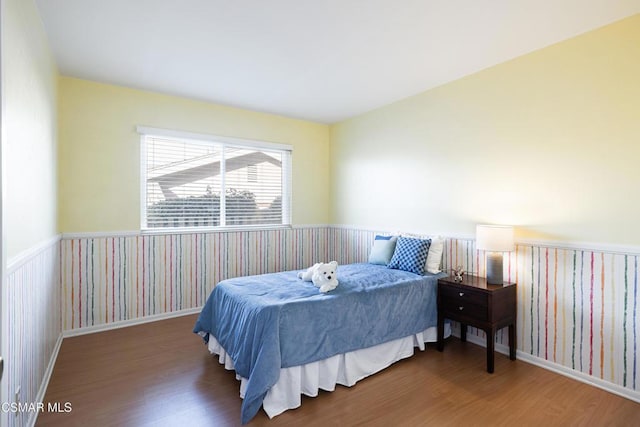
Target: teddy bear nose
329,277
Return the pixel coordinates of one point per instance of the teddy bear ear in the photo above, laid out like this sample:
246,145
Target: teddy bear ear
334,264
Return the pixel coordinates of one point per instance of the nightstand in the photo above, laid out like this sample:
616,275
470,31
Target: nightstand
476,303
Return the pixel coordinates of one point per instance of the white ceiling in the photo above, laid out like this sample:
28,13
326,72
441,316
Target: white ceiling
320,60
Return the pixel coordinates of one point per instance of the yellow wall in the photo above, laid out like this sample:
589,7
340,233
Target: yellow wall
99,179
29,123
549,142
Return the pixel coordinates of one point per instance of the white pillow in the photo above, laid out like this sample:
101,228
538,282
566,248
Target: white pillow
434,258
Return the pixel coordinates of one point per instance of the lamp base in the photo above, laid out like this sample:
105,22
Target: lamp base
494,268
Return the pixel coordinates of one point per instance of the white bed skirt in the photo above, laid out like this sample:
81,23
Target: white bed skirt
344,369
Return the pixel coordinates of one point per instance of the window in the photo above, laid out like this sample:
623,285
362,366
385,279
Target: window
252,173
204,181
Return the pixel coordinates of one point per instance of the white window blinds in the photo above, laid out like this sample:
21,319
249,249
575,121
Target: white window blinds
202,181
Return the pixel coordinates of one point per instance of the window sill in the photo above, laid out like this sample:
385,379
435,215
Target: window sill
208,230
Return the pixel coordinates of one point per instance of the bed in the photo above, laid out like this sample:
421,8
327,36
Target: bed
284,338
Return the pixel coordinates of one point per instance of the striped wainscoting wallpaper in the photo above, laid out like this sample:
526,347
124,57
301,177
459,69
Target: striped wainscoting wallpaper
348,246
33,326
577,308
112,279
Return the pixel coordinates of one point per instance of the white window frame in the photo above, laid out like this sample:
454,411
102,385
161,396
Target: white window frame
224,141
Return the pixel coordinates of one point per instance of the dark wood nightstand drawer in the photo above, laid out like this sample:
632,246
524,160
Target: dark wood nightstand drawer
460,302
466,311
455,295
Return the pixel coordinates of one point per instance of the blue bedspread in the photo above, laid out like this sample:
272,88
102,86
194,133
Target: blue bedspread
274,321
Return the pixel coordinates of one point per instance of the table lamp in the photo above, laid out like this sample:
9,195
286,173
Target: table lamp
495,239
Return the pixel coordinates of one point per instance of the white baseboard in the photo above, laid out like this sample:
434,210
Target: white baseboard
45,381
559,369
130,322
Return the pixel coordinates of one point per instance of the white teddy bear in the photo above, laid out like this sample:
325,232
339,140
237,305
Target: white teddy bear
323,276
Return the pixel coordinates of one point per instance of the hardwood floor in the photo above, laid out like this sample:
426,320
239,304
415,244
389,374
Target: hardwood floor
161,374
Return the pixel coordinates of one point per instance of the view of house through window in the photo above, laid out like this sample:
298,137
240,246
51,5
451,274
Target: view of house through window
192,183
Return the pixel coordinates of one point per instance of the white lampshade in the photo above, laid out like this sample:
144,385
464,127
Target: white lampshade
495,238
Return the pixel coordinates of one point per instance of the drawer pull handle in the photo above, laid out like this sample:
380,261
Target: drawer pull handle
461,294
460,308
